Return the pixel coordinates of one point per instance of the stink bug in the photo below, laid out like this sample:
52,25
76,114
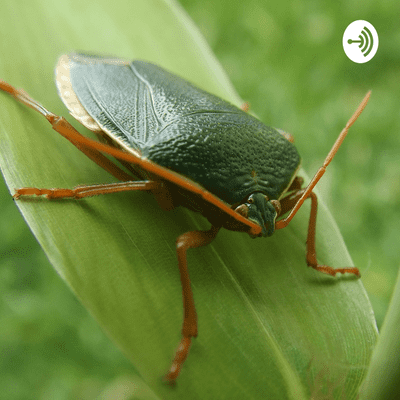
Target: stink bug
188,148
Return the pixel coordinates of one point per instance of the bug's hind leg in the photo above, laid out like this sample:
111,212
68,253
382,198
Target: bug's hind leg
188,240
79,192
64,128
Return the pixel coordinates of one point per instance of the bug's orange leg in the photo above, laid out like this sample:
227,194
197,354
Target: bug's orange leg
62,126
311,257
287,203
79,192
188,240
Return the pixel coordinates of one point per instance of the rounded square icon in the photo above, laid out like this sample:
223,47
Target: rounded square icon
360,41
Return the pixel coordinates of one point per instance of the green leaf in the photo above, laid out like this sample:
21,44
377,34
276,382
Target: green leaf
382,380
268,326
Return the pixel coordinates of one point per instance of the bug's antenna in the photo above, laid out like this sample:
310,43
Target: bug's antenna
284,222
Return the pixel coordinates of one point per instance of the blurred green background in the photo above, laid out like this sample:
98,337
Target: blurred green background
309,88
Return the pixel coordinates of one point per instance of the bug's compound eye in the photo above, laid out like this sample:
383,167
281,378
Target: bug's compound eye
242,210
250,200
277,205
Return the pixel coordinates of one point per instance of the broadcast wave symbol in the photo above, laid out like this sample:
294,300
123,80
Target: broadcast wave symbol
366,41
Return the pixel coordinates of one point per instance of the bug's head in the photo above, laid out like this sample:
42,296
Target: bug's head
260,209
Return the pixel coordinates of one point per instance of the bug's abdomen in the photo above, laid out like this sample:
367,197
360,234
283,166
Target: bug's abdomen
230,154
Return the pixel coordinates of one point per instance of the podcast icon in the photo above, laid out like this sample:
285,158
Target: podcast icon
360,41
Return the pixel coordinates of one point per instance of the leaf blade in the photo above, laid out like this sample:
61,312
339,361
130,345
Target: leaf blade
117,252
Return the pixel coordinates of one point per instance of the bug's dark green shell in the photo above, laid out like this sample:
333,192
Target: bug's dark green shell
181,127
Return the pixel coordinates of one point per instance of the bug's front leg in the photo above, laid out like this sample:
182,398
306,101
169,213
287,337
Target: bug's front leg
287,203
311,256
188,240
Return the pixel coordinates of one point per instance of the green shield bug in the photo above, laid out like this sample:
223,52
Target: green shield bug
188,148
